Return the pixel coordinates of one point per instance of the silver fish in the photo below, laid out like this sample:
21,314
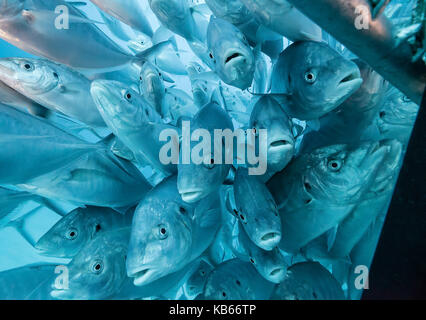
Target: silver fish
97,178
130,12
319,189
70,234
54,86
308,281
30,140
195,284
168,233
27,283
99,272
257,210
152,86
13,98
236,280
30,25
231,54
133,120
313,80
197,181
267,114
283,18
396,117
270,264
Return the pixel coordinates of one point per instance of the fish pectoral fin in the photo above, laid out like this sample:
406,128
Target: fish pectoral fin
331,237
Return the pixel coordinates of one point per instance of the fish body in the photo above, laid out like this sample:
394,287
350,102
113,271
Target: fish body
312,80
13,98
320,189
197,181
231,54
133,120
97,178
52,85
130,12
70,234
30,25
257,210
169,233
28,140
308,281
176,15
283,18
236,280
27,283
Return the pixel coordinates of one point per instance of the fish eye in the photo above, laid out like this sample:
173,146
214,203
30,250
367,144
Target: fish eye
224,294
211,164
238,283
27,66
382,114
128,96
243,219
55,75
310,77
162,232
202,272
236,213
211,55
182,210
98,227
252,261
71,234
406,99
97,267
334,165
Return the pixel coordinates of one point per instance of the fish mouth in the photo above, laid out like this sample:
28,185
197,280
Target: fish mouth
352,81
269,240
277,275
233,56
143,277
191,196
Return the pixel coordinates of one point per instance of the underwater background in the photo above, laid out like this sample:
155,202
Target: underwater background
17,236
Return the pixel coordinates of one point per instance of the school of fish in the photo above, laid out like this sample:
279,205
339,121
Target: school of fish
81,115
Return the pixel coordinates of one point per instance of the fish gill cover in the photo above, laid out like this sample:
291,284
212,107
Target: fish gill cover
151,148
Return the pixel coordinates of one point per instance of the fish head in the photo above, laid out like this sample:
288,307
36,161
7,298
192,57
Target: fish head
98,271
268,115
229,281
259,217
29,76
270,264
231,53
197,181
342,173
161,238
120,105
397,115
195,284
69,235
10,8
318,78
